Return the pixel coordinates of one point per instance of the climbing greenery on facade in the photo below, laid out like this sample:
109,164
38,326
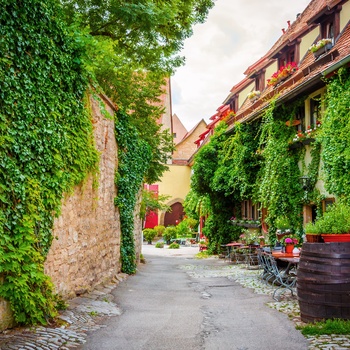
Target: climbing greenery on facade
278,182
46,146
335,135
134,155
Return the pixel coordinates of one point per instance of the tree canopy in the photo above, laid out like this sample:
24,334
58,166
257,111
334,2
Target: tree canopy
132,48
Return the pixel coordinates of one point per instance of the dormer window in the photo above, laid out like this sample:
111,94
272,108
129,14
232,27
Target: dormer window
286,57
260,81
329,22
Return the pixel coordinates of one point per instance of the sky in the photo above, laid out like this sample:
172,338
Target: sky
235,35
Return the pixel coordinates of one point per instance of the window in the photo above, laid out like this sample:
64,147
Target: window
315,110
250,211
286,57
326,203
260,81
174,135
300,115
329,23
234,104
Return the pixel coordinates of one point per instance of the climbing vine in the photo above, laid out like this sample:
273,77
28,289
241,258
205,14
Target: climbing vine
134,156
279,184
46,146
335,135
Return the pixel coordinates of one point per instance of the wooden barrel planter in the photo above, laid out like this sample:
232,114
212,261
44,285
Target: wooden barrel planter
323,281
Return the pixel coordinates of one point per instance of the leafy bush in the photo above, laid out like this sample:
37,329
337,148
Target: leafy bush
149,234
159,245
159,230
174,245
170,232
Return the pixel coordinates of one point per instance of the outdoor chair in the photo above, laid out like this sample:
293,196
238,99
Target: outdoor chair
283,278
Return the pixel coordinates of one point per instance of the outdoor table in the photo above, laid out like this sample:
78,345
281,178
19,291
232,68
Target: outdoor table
231,245
290,258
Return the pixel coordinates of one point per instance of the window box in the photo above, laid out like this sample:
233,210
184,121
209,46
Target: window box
322,50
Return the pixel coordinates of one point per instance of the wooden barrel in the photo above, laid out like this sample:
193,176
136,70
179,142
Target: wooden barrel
323,281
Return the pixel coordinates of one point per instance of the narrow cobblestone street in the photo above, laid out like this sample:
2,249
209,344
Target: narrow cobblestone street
91,319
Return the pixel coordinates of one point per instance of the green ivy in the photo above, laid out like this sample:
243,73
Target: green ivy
335,135
205,183
46,146
279,180
134,156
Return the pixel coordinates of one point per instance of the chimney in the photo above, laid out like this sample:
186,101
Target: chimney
288,23
283,30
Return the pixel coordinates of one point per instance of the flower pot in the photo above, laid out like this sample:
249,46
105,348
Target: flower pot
313,238
289,248
329,238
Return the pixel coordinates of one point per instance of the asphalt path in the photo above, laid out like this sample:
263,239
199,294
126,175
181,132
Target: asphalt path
166,308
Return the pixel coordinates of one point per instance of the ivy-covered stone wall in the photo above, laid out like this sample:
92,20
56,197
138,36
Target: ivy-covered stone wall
86,247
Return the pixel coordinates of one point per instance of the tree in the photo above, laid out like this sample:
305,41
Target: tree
148,32
132,49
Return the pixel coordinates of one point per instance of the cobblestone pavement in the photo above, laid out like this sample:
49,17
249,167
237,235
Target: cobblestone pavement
86,314
83,314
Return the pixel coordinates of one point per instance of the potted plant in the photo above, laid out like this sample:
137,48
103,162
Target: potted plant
334,225
289,243
149,234
312,234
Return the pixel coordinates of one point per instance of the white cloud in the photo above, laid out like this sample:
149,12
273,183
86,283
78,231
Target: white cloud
236,34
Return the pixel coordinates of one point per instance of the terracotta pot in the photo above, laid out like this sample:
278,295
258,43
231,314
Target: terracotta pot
313,238
343,237
289,248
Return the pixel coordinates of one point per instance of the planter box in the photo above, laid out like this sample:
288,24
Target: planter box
248,225
329,238
322,50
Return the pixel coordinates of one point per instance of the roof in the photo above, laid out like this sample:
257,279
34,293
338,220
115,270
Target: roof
310,70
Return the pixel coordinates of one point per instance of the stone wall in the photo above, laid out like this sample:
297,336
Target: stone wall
6,314
86,251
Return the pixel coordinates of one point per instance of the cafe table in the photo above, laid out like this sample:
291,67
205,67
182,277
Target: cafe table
231,250
291,258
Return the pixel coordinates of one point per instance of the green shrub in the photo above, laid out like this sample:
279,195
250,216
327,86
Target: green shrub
159,245
170,232
174,245
149,234
159,230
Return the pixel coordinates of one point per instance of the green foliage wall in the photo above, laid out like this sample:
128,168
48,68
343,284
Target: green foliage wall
134,156
279,187
335,135
205,184
255,161
46,146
